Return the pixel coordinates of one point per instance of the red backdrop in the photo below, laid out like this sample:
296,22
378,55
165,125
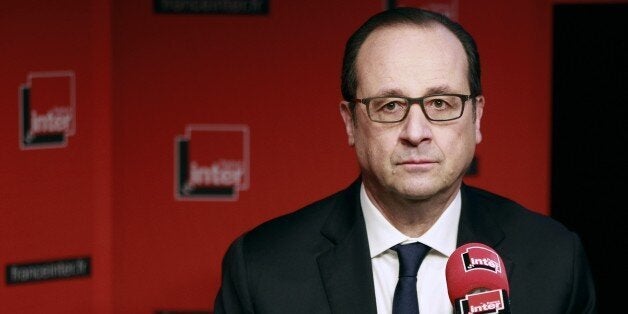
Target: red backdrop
142,78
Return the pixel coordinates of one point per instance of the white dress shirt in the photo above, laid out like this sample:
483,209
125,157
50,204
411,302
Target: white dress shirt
431,283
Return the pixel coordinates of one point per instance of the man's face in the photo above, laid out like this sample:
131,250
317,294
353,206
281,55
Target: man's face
413,159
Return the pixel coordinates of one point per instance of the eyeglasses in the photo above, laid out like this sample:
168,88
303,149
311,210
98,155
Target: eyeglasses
443,107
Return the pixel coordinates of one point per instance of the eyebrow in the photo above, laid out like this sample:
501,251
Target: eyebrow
439,89
390,92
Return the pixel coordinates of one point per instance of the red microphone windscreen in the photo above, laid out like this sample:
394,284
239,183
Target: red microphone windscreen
474,266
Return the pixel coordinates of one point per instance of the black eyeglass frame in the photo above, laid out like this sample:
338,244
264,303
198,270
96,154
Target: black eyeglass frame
411,101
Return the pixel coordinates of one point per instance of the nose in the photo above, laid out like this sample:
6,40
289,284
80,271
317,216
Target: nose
416,127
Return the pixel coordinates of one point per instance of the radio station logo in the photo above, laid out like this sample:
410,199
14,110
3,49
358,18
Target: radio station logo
477,257
487,302
212,162
47,109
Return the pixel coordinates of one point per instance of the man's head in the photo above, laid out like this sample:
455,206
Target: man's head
410,16
412,53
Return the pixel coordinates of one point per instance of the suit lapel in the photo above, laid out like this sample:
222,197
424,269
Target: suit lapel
477,224
346,267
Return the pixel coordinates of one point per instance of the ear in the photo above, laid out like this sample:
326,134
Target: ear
347,118
479,110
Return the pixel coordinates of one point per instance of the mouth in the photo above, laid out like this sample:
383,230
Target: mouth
416,161
417,164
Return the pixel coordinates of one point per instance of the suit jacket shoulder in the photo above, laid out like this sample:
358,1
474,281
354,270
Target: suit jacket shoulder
313,260
546,263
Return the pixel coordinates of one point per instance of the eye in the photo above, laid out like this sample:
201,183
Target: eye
388,105
438,103
391,106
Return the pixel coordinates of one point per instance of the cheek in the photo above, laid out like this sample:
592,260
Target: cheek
373,144
460,142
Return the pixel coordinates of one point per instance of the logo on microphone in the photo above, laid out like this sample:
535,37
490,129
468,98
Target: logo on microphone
485,302
476,257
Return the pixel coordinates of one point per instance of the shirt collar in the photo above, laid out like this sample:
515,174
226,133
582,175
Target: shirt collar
382,235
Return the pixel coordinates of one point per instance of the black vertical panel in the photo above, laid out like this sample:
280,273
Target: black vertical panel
183,157
590,137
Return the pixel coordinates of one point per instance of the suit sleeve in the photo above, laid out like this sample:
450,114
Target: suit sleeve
583,299
233,296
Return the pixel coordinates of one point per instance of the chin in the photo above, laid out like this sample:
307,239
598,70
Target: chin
417,190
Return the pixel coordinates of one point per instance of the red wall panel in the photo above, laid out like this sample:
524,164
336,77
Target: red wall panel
47,196
515,50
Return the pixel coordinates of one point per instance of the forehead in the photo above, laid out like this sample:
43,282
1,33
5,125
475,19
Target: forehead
411,59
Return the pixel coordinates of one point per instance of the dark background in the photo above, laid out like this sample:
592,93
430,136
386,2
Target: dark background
590,135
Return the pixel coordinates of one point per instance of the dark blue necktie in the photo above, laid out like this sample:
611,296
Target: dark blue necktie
410,257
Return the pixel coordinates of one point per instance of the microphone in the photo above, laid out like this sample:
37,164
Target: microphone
477,281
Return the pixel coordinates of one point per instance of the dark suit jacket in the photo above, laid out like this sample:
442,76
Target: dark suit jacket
316,260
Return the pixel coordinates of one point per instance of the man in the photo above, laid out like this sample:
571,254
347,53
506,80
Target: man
412,110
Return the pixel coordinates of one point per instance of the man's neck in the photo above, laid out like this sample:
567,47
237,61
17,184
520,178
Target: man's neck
410,216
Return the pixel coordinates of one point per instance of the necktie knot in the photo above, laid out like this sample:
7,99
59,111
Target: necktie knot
410,258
